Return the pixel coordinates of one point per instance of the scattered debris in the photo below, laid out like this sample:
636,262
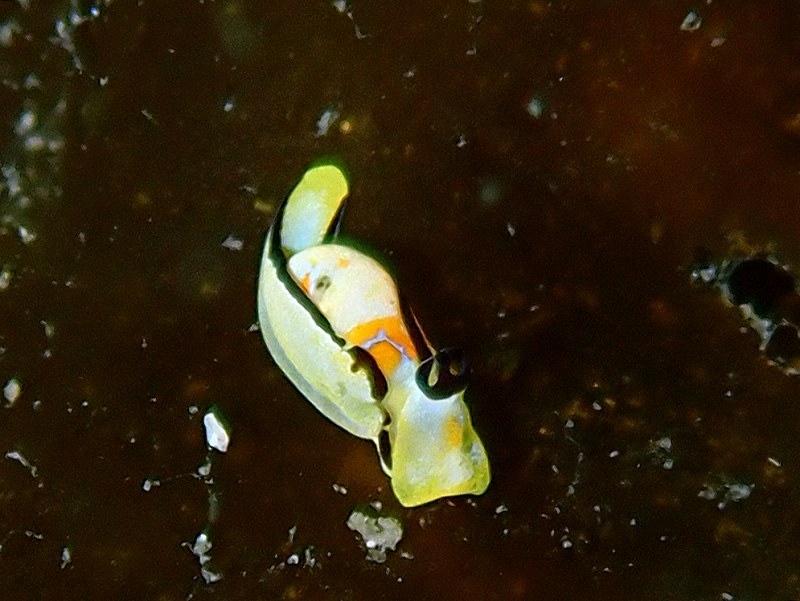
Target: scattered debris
202,545
379,533
725,490
17,456
660,452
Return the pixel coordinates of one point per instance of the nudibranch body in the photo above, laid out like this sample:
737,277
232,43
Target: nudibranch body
358,298
320,303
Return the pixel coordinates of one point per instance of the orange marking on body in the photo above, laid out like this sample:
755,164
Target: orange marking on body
453,433
343,262
385,352
305,283
386,356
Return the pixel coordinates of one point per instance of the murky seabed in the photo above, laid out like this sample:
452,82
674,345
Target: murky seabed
542,178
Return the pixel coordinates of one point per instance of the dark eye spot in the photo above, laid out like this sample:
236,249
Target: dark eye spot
323,283
444,374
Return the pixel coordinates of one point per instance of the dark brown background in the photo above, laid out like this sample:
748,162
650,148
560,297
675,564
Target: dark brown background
615,397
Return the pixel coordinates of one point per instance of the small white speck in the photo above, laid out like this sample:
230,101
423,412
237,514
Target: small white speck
739,492
205,469
691,22
17,456
66,557
512,231
233,243
7,32
664,443
339,488
717,42
12,391
209,575
5,278
613,454
325,121
49,329
774,462
708,493
25,234
202,545
149,484
26,122
217,435
500,509
535,107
